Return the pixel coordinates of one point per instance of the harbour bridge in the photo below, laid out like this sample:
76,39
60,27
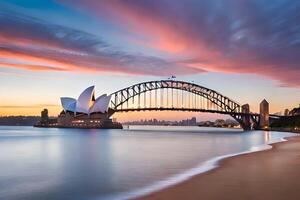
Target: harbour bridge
173,95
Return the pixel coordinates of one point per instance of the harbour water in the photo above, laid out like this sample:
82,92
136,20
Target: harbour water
82,164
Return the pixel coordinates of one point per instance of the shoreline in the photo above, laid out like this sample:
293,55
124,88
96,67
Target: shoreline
188,187
290,130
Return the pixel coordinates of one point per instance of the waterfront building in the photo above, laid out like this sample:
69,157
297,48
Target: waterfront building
44,116
295,111
286,112
220,123
193,121
187,122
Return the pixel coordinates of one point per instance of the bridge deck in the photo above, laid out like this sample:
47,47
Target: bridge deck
183,109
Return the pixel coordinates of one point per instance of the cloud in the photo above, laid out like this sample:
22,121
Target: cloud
32,44
23,29
234,36
30,67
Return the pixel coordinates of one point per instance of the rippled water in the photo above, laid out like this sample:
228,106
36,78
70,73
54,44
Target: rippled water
81,164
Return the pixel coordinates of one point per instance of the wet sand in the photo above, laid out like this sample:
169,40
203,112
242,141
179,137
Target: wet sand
266,175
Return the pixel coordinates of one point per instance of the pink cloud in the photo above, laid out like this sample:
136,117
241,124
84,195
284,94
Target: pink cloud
228,37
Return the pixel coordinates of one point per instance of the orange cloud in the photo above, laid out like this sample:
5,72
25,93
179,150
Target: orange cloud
20,58
30,67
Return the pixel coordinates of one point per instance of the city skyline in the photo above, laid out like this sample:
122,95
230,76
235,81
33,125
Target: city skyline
246,50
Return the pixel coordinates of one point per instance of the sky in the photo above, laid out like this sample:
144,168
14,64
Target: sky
247,50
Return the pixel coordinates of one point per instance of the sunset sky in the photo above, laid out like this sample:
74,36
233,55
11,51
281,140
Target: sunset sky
247,50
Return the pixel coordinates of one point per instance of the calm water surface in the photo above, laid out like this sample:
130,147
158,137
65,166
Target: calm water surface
79,164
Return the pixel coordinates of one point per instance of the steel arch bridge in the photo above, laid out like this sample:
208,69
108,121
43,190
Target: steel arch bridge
171,95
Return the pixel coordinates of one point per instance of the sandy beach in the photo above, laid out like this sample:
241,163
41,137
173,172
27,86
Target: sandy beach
267,175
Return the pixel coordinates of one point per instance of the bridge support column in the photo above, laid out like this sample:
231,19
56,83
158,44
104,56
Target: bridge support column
264,115
246,118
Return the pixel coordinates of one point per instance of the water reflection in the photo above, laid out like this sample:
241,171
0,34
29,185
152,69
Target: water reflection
102,164
267,135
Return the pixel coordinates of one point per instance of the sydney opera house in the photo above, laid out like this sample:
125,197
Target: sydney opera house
85,112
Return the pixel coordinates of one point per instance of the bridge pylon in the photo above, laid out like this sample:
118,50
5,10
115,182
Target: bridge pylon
246,125
264,115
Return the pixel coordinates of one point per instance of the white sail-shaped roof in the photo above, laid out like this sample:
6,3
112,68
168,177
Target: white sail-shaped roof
101,104
85,100
68,104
